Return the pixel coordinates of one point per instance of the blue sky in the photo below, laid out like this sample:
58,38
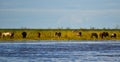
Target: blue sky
59,13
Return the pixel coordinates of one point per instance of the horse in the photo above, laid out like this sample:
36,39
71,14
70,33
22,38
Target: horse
79,33
94,35
7,34
104,34
24,34
58,34
113,35
39,34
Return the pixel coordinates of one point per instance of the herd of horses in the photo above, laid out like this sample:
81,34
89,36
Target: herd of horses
103,35
58,34
93,35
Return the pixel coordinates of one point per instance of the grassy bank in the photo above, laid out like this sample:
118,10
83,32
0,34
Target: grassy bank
66,34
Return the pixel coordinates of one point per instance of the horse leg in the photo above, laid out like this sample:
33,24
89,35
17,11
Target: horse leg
96,36
3,36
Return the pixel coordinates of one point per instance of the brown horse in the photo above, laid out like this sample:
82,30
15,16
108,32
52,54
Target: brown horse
39,34
58,34
104,34
94,35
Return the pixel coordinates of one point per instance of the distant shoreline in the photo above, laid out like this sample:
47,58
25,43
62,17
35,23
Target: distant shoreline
60,41
66,34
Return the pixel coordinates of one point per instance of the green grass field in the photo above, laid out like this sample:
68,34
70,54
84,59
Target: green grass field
66,34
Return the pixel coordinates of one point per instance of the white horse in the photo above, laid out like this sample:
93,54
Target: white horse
4,34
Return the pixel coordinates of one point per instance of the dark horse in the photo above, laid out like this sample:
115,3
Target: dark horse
58,34
24,34
94,35
39,34
104,34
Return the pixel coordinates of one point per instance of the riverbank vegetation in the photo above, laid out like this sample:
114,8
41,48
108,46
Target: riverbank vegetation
66,34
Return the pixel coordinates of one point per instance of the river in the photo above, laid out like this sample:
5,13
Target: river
60,51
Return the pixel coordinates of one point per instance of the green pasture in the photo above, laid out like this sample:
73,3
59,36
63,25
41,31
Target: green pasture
66,34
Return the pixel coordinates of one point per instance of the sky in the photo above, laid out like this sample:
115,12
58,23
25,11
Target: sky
59,13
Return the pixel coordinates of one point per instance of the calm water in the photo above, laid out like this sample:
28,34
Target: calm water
62,51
